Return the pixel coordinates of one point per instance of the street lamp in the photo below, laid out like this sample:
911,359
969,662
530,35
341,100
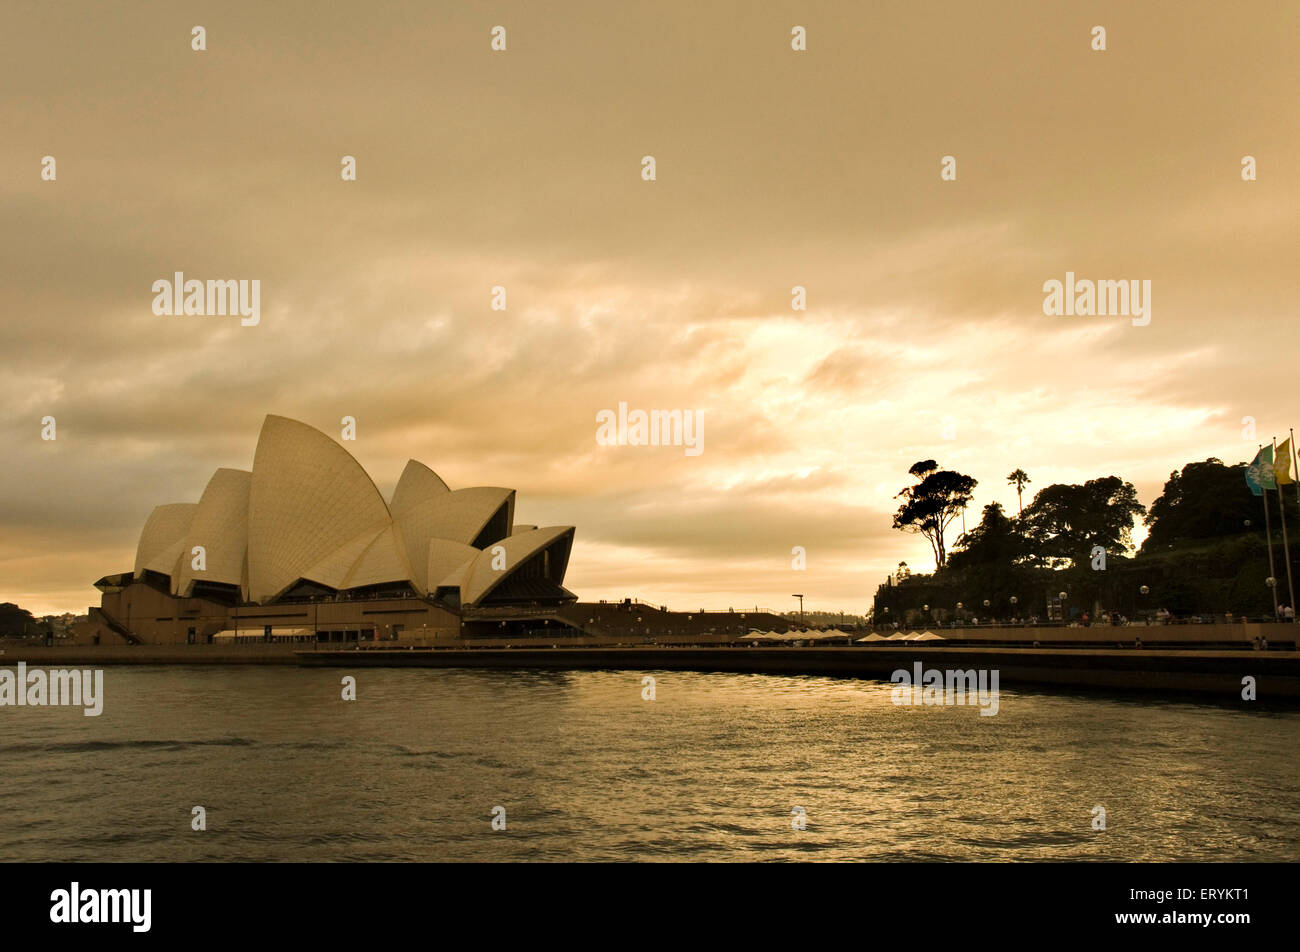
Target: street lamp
1145,608
1061,596
1271,582
1013,607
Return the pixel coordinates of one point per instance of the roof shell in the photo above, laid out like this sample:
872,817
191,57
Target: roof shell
163,538
483,577
220,525
308,499
417,483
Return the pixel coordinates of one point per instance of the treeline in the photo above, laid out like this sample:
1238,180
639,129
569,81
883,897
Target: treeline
1205,553
15,622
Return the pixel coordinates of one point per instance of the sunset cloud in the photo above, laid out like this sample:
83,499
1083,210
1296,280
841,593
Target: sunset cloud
521,170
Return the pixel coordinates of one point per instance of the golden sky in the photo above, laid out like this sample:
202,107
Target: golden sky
522,169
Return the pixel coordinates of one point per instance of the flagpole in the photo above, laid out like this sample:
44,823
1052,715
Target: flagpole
1297,470
1268,530
1286,549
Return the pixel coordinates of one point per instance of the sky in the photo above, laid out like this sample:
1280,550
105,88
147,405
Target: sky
924,334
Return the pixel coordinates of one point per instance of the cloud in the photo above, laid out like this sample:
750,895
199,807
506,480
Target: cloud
522,169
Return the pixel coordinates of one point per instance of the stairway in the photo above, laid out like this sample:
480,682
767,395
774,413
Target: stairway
100,615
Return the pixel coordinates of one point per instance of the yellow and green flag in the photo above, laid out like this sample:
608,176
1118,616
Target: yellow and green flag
1259,474
1282,463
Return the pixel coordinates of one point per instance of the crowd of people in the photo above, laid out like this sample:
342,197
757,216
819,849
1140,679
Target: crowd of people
1114,619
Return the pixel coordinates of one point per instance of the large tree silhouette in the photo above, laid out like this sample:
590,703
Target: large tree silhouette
1205,501
1064,522
1020,479
937,498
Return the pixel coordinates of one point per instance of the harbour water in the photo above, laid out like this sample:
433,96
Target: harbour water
587,769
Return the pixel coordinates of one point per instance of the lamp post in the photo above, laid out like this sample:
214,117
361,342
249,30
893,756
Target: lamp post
800,597
1271,582
1061,596
986,610
1013,607
1145,607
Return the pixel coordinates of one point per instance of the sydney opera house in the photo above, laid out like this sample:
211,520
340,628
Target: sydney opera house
305,548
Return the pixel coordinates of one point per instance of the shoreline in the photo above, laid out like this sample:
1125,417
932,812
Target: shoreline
1151,671
1276,674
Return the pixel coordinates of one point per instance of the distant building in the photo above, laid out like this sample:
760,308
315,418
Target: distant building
305,548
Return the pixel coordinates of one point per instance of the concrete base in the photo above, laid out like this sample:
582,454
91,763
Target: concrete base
1276,673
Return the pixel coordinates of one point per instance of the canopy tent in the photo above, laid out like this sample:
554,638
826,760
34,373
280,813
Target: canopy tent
258,634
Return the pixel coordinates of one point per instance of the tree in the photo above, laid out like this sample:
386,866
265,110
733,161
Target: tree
994,542
932,503
1064,522
1206,500
14,621
1020,479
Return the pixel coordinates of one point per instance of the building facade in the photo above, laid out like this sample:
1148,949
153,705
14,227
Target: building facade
304,548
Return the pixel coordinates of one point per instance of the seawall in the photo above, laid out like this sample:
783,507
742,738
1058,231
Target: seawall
82,655
1221,673
1153,670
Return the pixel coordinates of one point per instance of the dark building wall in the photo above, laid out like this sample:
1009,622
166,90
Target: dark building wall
157,617
638,621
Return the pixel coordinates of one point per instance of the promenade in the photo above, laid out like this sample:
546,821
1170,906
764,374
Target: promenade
1171,659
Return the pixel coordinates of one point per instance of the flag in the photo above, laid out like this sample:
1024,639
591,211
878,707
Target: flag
1282,465
1259,474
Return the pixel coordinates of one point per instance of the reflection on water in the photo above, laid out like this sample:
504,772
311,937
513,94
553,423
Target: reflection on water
586,769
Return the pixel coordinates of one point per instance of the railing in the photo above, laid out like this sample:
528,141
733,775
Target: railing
1076,623
131,637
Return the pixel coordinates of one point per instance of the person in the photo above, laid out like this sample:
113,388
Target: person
1086,621
1263,642
1288,613
1138,643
